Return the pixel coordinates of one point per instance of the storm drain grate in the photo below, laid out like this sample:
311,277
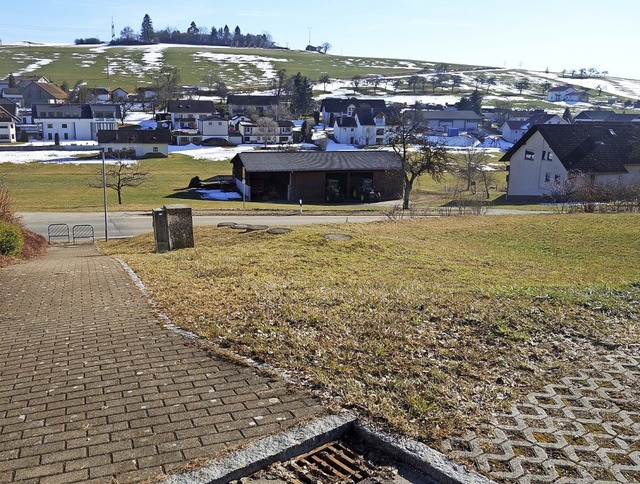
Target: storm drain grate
332,462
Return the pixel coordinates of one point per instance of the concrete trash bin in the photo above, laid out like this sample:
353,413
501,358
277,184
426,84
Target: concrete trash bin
173,227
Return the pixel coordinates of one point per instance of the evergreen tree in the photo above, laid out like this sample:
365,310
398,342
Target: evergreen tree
567,115
12,80
146,33
301,94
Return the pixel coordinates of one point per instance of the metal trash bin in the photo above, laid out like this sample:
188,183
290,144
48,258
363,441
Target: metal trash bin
173,227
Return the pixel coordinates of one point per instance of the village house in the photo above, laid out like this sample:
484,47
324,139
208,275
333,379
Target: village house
332,108
277,132
42,92
364,128
608,117
240,103
303,175
513,130
75,122
567,94
549,153
213,127
442,121
8,121
135,143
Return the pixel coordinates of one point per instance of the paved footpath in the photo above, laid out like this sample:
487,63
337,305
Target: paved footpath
92,387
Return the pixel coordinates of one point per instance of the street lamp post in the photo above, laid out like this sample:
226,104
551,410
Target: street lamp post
104,196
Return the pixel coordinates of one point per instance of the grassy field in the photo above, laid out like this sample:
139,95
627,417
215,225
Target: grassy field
64,187
424,326
128,68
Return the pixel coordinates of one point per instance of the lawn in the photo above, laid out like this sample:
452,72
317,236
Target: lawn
41,186
425,326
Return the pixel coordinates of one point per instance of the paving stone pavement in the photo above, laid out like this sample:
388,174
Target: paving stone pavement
586,428
92,387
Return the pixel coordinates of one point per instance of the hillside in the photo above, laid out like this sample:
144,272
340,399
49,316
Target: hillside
253,69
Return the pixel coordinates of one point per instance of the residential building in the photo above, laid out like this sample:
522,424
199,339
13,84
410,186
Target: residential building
364,128
440,121
8,121
548,153
185,113
566,93
277,132
42,92
240,103
213,127
74,122
512,130
332,107
608,117
135,143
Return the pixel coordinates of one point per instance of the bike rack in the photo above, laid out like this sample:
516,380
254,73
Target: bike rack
83,232
58,230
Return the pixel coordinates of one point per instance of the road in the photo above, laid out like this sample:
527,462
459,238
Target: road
127,224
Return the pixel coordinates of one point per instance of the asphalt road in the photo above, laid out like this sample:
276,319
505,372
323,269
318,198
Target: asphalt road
127,224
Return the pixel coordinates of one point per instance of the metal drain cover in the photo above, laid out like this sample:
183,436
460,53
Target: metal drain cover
332,462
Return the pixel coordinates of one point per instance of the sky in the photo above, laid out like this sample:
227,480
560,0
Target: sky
527,34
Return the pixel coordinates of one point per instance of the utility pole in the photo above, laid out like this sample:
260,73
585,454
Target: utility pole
113,31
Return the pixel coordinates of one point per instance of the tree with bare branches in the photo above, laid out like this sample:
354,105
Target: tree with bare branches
418,155
123,173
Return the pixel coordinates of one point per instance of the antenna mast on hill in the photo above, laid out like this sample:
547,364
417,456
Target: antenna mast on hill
113,31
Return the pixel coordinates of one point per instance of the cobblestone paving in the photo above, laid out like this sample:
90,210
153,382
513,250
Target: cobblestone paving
92,387
584,429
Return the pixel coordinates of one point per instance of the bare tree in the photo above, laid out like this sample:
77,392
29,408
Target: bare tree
418,156
324,80
123,173
474,169
167,85
324,47
355,82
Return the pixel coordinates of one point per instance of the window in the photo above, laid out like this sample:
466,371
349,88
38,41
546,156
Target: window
529,154
50,126
379,141
379,131
64,125
210,123
556,177
547,177
549,156
66,135
155,149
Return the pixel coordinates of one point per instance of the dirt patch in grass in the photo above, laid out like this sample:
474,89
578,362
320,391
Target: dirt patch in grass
423,326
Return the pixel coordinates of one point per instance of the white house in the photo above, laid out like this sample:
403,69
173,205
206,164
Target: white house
281,132
213,127
548,153
75,122
185,113
135,143
8,121
566,93
512,130
364,128
333,107
464,120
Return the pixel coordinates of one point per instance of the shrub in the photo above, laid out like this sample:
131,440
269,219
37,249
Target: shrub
11,239
7,212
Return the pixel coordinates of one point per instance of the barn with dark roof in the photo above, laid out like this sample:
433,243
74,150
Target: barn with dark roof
548,153
303,175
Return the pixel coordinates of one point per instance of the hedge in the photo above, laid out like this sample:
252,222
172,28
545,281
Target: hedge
11,239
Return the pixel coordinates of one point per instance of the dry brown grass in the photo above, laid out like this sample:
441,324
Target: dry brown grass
426,326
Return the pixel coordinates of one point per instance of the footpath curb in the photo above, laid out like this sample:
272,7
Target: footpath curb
268,450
